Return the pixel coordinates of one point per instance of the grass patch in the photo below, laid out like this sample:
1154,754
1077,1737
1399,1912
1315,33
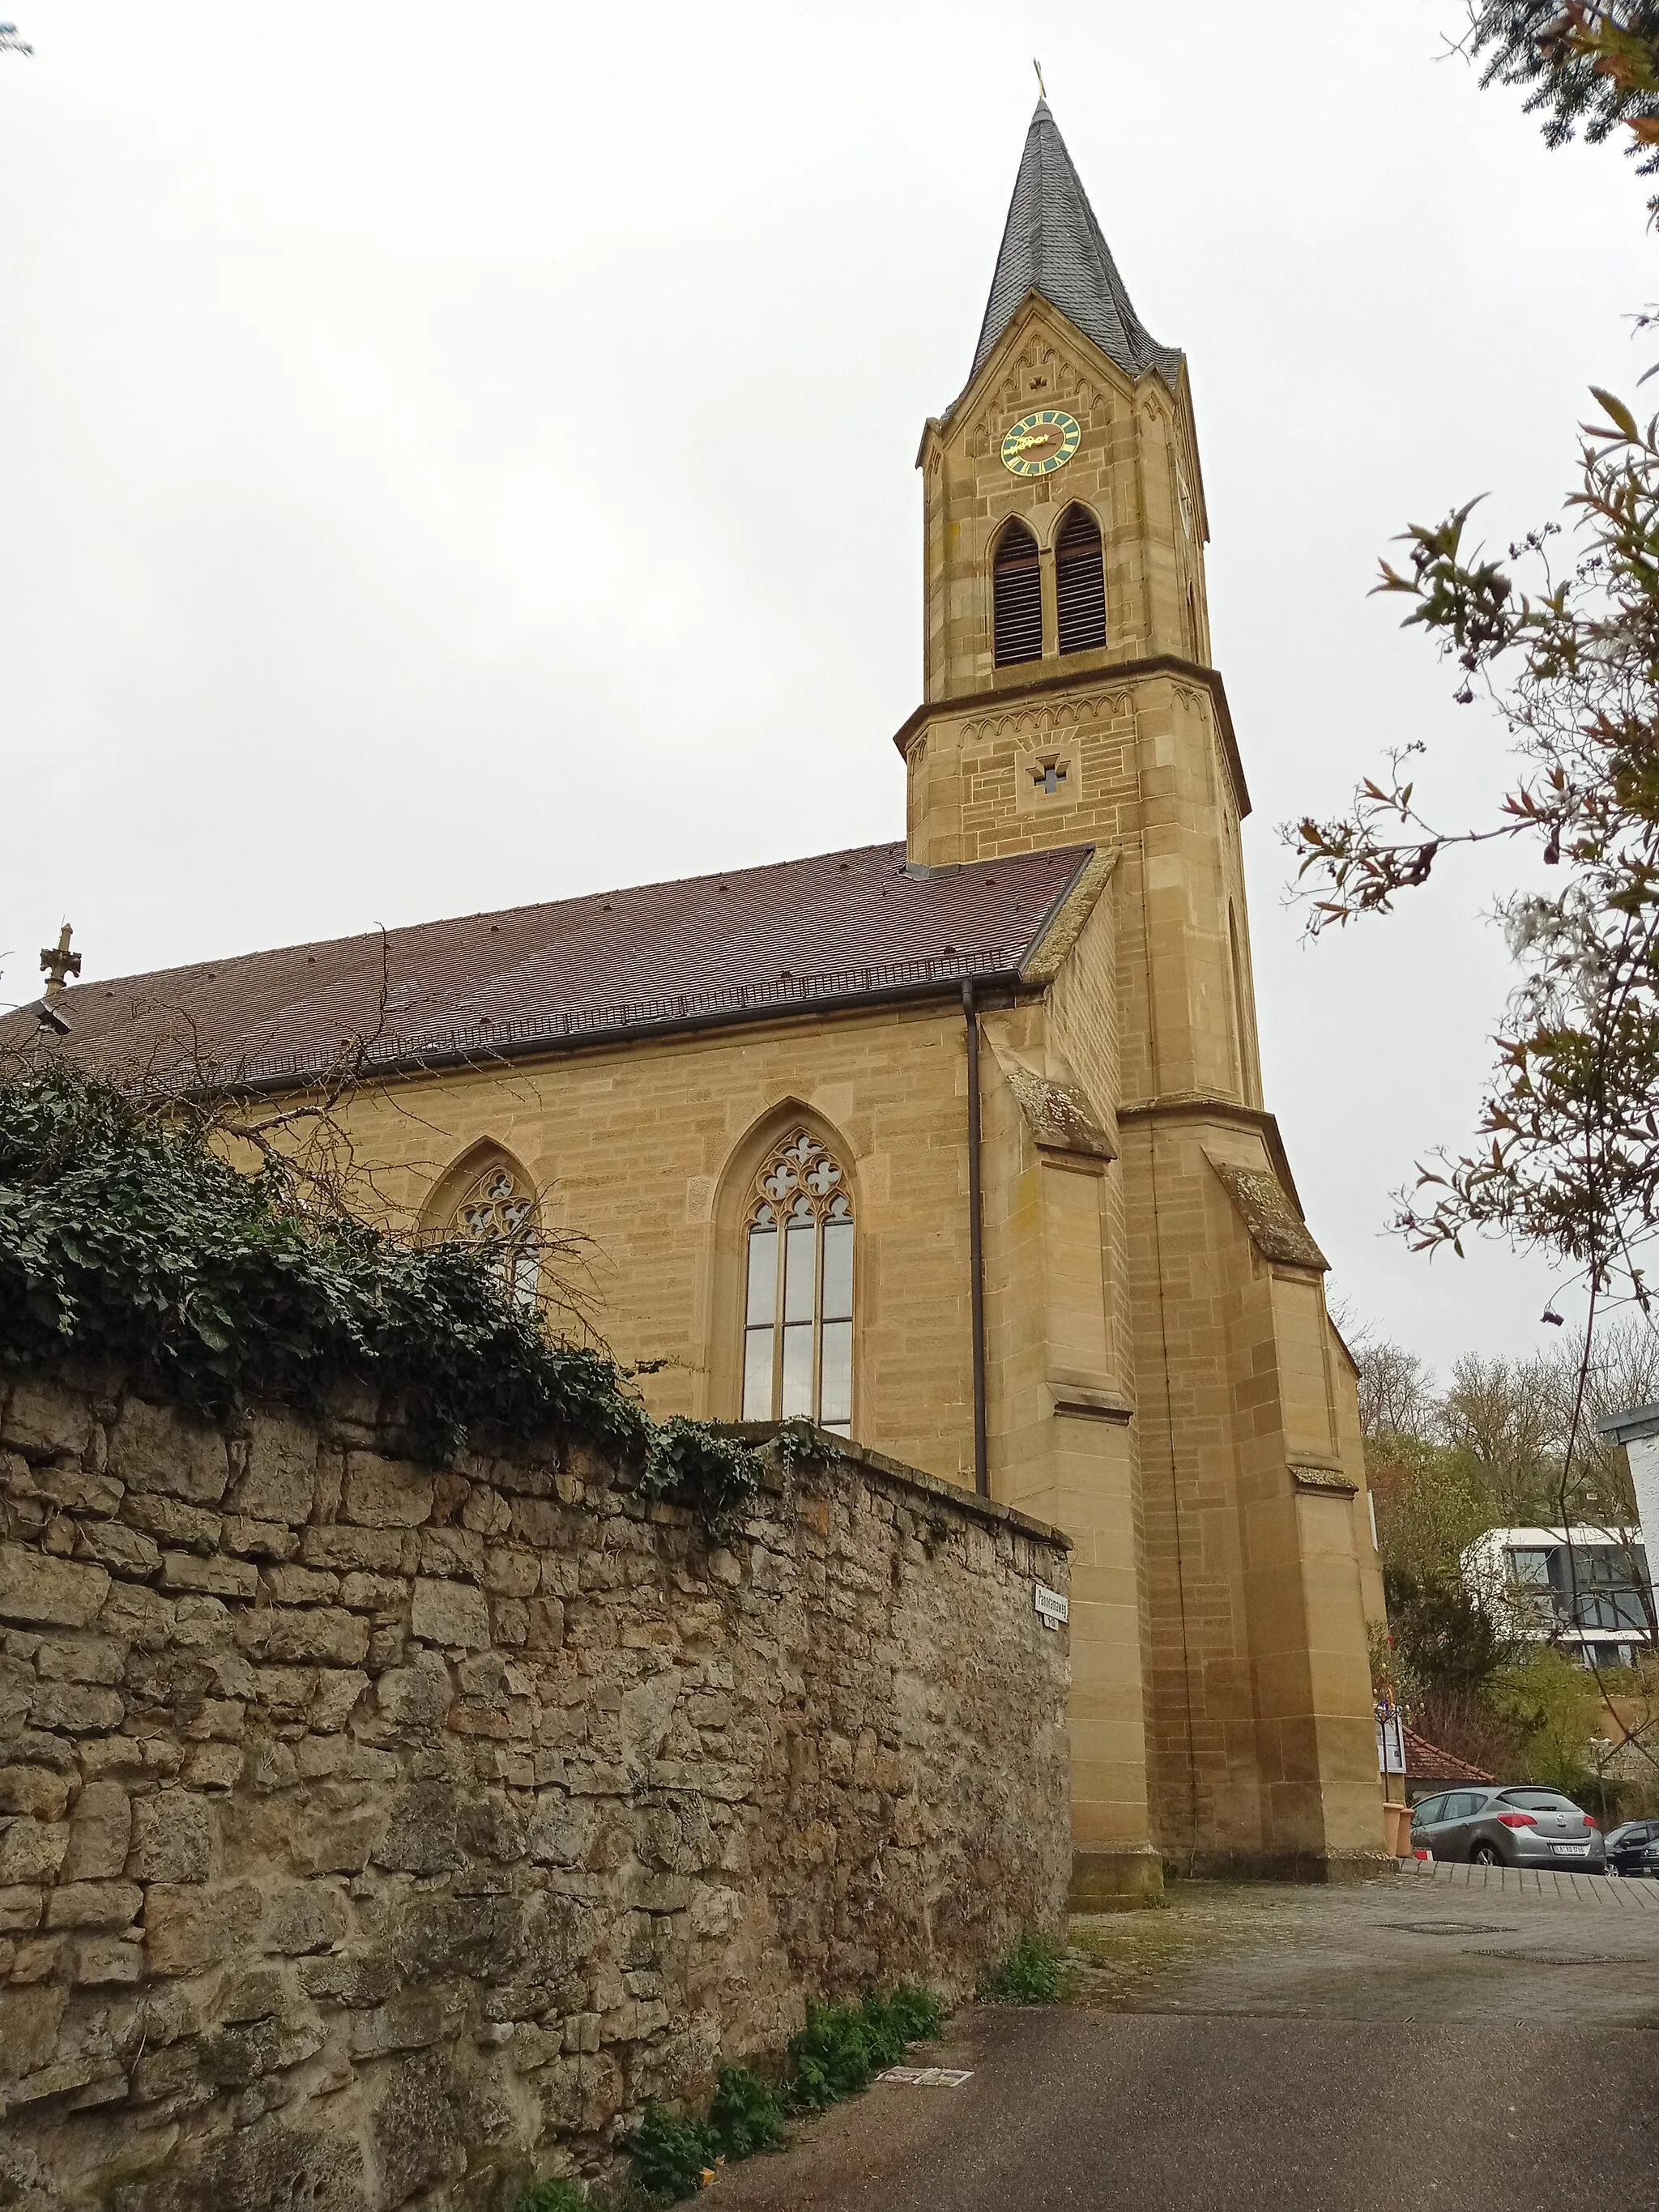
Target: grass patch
838,2052
748,2114
1034,1972
568,2197
844,2047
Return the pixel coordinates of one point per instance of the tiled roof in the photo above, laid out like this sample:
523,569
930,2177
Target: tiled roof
1426,1762
1052,244
747,943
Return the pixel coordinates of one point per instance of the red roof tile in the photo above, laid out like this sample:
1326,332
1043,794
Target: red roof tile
1426,1762
749,942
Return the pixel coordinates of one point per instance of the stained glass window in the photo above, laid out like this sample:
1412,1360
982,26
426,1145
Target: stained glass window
498,1213
798,1305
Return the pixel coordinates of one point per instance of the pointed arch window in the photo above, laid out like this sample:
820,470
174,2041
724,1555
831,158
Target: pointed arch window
1080,583
497,1213
1017,593
798,1307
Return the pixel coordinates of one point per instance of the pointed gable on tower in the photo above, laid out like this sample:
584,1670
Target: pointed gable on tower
1052,244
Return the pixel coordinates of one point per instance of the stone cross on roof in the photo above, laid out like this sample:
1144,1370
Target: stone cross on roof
59,963
1052,244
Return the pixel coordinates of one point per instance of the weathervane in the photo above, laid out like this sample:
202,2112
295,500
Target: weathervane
1042,89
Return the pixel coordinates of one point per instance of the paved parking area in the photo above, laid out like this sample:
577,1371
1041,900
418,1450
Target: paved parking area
1432,2036
1450,1944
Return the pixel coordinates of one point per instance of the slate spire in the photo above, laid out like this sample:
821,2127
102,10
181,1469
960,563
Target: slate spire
1052,244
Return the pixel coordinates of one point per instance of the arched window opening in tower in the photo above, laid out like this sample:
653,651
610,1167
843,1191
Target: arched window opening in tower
798,1305
1018,590
1080,583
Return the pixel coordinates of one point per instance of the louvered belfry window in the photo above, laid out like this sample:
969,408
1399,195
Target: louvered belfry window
1080,583
1018,587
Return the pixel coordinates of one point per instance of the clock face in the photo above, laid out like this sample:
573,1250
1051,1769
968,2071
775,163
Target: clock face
1041,443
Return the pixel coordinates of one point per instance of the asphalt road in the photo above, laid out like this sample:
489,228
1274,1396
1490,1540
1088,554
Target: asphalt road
1307,2051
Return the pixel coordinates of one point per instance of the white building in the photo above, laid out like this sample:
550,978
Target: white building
1585,1589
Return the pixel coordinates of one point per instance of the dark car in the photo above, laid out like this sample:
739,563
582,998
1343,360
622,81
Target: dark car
1517,1825
1626,1847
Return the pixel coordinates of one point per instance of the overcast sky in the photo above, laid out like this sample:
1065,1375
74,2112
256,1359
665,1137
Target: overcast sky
373,547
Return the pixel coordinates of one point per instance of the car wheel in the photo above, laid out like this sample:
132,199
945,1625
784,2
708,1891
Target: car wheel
1485,1855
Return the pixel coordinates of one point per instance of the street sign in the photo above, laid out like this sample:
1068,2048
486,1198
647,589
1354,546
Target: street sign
1052,1607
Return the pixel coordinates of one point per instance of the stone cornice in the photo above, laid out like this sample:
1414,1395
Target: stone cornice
1114,671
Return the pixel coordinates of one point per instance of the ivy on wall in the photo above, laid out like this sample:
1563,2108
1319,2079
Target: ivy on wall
124,1235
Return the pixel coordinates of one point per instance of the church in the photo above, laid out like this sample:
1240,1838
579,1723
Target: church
955,1145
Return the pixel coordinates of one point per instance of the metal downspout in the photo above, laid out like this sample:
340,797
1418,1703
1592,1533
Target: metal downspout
977,1246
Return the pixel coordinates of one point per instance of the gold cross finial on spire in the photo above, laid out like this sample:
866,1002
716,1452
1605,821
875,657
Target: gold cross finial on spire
59,963
1042,89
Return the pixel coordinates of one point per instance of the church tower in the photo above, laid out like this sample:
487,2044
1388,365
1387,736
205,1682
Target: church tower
1163,1378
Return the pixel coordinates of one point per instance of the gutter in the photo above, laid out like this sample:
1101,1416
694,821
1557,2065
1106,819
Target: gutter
552,1043
976,1247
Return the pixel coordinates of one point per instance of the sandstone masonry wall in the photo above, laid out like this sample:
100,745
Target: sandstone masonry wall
370,1835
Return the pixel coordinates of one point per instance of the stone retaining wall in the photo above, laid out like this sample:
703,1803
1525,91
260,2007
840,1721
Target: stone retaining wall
371,1835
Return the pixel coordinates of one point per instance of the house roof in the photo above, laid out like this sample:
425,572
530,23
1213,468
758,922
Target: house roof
1426,1762
1052,244
745,944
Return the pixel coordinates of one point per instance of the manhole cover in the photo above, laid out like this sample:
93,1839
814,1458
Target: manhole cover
1455,1927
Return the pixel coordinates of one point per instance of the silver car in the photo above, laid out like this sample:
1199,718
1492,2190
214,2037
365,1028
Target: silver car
1521,1826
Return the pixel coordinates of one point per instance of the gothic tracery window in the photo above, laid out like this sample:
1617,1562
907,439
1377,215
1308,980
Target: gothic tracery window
497,1213
798,1307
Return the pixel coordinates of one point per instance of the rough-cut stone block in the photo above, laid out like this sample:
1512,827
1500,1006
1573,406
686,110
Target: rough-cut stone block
99,1961
89,1497
94,1904
258,1540
216,1577
378,1550
155,1448
32,1851
47,1592
33,1789
213,1765
343,1846
417,1696
421,1833
42,1416
29,2021
175,1838
334,1698
386,1493
290,1585
189,1928
373,1593
99,1835
321,1636
138,1616
277,1481
450,1614
310,1917
511,1573
78,1708
21,1908
173,1521
111,1544
562,1829
79,1659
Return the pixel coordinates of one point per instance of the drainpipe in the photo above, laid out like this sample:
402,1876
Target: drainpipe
977,1246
